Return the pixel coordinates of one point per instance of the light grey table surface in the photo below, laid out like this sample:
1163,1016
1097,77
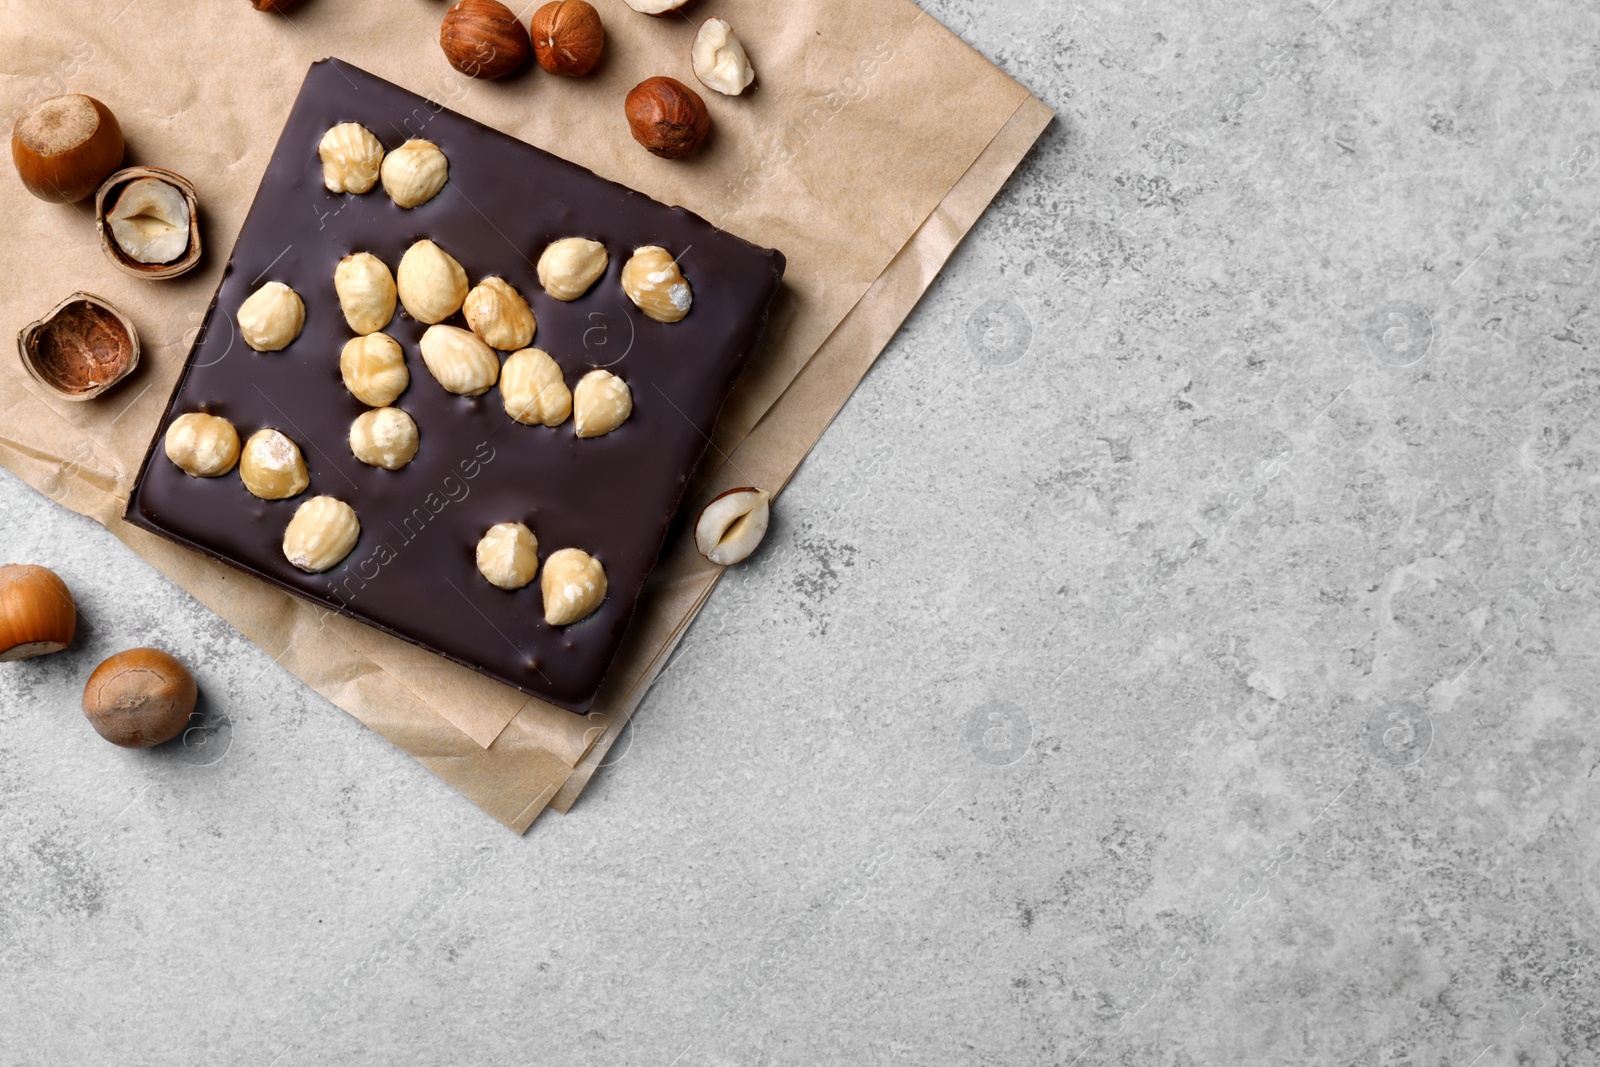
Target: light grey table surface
1180,651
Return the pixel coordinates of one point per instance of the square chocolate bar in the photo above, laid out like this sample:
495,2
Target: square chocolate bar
413,570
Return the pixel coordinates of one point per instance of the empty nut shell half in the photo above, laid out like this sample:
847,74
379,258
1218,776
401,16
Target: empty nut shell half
80,349
148,217
732,525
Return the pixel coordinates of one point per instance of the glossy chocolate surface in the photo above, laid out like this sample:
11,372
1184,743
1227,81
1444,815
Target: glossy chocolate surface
413,571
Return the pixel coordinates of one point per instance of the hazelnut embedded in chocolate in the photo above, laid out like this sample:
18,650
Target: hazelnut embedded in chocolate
80,349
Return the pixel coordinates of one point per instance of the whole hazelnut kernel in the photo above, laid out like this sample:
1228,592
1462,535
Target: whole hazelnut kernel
667,117
201,445
385,437
65,147
719,59
431,284
568,37
351,155
508,555
498,314
139,698
374,369
271,317
274,6
484,39
271,466
414,173
574,584
533,390
37,613
366,292
656,286
600,403
321,534
568,268
459,360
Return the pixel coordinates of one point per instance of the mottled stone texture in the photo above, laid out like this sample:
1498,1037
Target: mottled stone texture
1180,651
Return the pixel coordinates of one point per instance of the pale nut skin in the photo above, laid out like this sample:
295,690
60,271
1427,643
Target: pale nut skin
654,283
431,284
414,173
534,390
201,445
570,267
460,360
498,314
271,466
719,59
351,156
374,369
385,437
321,534
366,292
733,525
508,556
574,584
271,317
600,403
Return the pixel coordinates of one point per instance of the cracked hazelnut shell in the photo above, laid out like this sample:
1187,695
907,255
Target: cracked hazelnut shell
80,349
105,203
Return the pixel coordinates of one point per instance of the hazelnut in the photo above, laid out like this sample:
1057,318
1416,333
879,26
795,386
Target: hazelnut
37,615
460,360
202,446
667,117
431,283
351,155
139,698
414,173
508,555
276,7
570,266
374,369
533,390
656,7
600,403
732,525
366,292
272,467
568,37
150,221
80,349
574,584
271,317
386,437
484,39
321,534
149,224
64,147
719,59
498,314
654,283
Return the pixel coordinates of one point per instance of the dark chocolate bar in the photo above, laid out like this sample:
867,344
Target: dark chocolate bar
413,572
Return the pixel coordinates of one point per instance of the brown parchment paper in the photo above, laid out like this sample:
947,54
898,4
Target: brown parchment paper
863,154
